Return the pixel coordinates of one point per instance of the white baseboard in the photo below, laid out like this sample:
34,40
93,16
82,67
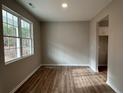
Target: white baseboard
109,82
95,70
65,65
21,83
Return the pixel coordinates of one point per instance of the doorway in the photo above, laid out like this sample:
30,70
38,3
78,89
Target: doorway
103,36
103,53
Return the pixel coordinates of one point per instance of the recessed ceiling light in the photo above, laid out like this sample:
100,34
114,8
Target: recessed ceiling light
30,4
64,5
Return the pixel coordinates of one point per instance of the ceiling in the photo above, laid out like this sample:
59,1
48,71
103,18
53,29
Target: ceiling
78,10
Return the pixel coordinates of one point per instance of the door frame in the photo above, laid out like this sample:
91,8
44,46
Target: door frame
97,43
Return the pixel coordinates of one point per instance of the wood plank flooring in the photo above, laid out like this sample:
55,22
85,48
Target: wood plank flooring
66,80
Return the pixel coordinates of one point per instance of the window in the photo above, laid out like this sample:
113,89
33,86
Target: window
26,38
18,36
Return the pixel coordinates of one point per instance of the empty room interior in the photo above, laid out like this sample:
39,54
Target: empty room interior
61,46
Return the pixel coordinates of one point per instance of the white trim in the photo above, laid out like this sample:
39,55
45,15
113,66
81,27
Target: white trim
95,70
109,82
65,65
17,59
21,83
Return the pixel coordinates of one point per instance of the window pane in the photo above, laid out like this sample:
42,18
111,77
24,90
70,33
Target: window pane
10,42
25,29
5,29
9,18
15,21
10,25
4,16
10,30
11,48
11,54
15,30
26,47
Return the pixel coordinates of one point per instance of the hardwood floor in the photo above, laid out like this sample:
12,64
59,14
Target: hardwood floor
66,80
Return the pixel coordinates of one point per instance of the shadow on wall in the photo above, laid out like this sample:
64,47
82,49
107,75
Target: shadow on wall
65,44
63,55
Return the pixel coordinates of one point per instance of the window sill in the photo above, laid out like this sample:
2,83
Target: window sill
18,59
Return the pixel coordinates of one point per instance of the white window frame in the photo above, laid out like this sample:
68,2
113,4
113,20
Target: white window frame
19,30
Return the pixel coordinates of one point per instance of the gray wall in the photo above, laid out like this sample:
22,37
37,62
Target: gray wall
115,45
12,74
66,43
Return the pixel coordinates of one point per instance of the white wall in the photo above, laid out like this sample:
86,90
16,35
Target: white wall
66,43
115,47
